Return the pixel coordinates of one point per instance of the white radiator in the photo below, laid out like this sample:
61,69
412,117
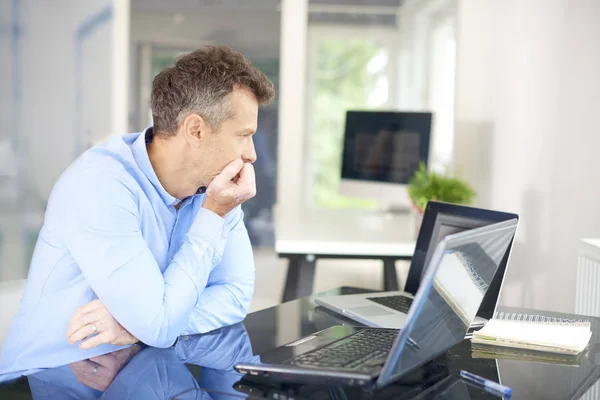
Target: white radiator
587,291
587,301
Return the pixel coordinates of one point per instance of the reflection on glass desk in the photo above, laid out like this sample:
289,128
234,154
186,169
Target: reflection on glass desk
201,362
201,367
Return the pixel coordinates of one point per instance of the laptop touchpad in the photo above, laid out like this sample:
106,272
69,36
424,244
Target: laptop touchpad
370,311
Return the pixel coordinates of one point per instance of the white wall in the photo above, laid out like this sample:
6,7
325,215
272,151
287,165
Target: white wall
291,175
50,107
56,98
528,97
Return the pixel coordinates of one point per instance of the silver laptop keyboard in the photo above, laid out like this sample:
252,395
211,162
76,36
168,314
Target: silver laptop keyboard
396,302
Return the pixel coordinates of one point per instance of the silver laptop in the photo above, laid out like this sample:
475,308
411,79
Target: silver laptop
443,309
390,309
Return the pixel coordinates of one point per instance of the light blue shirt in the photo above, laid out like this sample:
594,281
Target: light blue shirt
111,231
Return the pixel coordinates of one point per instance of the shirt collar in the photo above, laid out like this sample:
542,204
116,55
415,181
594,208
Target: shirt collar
140,154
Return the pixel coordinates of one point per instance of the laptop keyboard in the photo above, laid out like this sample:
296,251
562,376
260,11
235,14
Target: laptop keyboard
368,347
398,303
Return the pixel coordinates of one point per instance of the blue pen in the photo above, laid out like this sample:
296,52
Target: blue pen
486,384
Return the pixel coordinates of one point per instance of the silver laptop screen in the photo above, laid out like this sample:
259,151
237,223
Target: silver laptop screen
462,269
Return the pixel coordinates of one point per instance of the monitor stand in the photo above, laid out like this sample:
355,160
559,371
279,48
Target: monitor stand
394,209
405,215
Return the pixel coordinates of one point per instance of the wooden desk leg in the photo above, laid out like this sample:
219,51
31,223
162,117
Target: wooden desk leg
390,278
300,277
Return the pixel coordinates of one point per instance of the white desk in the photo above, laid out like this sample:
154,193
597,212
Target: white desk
303,236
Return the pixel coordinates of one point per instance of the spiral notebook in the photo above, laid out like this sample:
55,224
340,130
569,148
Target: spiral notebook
508,353
535,332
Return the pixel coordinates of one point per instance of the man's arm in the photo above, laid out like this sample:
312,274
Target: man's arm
102,234
227,297
224,302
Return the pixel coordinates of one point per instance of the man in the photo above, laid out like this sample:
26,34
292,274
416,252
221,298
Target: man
144,236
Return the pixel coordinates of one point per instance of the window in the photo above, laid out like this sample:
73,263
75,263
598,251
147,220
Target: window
345,73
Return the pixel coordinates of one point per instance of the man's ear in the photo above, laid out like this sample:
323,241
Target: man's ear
194,129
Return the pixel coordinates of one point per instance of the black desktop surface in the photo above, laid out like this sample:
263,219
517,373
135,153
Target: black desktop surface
201,367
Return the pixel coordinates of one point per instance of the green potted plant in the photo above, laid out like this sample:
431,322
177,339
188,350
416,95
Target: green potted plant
428,185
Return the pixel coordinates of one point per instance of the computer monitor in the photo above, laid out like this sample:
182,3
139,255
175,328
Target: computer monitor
381,152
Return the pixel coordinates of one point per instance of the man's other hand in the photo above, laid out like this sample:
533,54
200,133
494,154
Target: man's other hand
94,322
233,186
99,372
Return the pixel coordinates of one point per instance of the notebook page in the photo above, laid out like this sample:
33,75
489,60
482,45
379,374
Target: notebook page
569,337
523,346
508,353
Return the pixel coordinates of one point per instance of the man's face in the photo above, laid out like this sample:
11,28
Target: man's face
234,138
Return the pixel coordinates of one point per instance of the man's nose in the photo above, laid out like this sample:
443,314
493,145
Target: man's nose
250,155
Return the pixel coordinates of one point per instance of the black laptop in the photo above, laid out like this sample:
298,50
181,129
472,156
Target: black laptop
446,303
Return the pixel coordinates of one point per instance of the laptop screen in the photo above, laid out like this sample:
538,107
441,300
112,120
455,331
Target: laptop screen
459,276
448,224
442,219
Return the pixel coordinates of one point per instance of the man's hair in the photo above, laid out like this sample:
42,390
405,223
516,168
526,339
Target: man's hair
200,82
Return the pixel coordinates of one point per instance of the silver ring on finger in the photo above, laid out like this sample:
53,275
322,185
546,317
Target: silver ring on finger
94,328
